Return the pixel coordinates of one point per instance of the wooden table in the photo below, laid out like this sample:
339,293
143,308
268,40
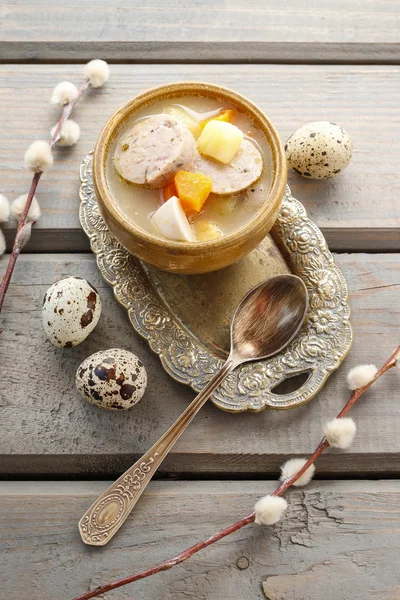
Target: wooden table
299,62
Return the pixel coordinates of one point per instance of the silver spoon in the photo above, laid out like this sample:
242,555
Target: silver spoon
266,320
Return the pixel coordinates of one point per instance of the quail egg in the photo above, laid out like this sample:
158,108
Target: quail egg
319,150
71,310
112,379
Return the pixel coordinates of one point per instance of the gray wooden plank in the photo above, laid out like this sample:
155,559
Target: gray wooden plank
47,428
201,30
337,540
357,211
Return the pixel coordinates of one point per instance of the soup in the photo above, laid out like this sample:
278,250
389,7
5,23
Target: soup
189,169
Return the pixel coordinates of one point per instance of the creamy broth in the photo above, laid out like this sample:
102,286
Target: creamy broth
228,212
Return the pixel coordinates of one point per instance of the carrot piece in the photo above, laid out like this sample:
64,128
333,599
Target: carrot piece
168,191
193,190
226,115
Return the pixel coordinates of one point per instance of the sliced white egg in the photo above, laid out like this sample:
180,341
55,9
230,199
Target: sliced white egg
171,221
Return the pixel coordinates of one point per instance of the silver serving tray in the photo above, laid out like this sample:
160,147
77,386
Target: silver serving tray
192,337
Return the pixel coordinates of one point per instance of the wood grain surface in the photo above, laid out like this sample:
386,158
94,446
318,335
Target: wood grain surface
337,540
48,428
299,31
359,210
300,61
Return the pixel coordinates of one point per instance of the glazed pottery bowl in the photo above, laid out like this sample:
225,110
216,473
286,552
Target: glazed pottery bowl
185,257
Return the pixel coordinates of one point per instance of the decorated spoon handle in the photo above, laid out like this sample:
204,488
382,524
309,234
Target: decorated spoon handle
103,519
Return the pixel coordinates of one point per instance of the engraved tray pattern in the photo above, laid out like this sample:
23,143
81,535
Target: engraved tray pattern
320,347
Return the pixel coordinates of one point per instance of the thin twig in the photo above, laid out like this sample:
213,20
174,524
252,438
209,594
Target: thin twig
5,282
287,483
67,109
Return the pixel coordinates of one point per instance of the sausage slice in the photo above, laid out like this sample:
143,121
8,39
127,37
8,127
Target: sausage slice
245,168
154,150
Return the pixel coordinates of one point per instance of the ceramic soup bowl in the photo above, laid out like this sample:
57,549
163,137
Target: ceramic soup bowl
188,257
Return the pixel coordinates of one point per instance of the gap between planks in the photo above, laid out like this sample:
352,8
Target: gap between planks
340,241
163,476
200,53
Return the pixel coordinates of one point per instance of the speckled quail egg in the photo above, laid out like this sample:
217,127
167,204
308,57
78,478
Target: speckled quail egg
112,379
319,150
71,310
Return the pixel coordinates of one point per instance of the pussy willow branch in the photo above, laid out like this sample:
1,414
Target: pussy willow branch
17,247
287,483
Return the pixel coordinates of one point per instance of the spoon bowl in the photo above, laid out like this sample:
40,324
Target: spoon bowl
268,318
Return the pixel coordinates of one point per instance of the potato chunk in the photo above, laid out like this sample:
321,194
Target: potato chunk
193,190
220,140
205,230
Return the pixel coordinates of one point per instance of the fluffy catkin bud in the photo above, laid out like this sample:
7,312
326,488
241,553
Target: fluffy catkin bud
4,209
360,376
340,433
64,93
38,157
292,466
18,205
2,243
69,133
97,72
269,509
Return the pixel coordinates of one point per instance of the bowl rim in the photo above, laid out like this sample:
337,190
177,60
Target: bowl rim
152,95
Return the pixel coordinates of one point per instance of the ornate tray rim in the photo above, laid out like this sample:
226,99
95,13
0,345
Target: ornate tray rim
320,348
